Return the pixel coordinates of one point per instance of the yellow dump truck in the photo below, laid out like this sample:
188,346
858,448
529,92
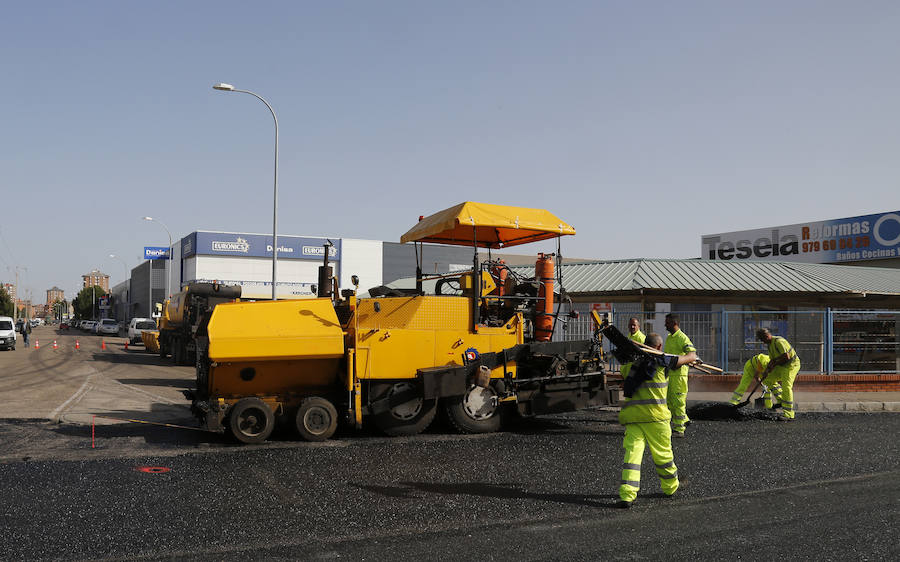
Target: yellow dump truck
479,348
185,313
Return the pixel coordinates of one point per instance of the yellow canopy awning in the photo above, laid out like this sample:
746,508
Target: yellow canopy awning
487,226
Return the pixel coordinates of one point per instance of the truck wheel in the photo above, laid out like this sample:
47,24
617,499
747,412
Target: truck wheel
251,420
474,412
317,419
406,411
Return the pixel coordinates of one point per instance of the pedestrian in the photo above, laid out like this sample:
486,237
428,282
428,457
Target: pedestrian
754,367
646,418
677,343
784,364
634,334
26,329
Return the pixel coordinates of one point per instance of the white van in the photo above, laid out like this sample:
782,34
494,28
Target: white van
137,325
7,333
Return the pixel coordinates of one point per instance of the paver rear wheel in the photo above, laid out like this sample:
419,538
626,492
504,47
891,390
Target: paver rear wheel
316,419
251,420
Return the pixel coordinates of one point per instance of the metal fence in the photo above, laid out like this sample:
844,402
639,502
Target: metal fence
827,341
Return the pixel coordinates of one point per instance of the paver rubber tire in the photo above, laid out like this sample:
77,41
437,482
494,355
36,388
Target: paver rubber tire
251,420
407,416
474,412
316,419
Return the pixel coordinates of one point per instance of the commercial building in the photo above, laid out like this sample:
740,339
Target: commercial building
245,259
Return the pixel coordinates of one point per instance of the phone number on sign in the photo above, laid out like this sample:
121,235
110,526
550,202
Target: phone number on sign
839,244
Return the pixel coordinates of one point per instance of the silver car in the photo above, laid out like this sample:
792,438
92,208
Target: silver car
108,326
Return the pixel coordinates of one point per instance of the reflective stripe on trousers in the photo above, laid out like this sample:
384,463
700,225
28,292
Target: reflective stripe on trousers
676,399
658,437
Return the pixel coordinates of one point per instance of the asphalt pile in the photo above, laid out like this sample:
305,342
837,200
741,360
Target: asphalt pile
723,411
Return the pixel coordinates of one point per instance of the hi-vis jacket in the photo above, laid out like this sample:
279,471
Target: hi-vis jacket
648,404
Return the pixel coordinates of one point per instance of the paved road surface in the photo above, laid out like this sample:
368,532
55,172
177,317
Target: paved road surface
825,487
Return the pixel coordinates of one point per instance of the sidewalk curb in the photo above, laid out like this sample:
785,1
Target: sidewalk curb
834,406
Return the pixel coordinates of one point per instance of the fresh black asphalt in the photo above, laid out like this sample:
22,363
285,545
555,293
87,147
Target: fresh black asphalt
824,487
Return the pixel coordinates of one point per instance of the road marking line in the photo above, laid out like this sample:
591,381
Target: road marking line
79,394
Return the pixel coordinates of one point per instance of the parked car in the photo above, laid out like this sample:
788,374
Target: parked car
7,333
108,326
137,325
88,325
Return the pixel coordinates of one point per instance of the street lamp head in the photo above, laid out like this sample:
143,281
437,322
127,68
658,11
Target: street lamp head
112,255
223,86
148,218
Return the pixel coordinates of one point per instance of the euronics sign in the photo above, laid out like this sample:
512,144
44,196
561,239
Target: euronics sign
156,253
256,245
867,237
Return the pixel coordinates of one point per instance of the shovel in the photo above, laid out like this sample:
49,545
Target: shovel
747,401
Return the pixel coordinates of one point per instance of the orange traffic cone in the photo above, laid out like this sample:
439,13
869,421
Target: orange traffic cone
54,345
37,344
77,346
102,344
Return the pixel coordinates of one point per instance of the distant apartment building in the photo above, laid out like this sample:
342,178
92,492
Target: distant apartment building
10,290
96,277
55,294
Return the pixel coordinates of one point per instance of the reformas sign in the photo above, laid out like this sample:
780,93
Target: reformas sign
868,237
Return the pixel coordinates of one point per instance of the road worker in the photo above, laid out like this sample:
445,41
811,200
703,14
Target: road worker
634,334
754,368
647,421
677,343
784,364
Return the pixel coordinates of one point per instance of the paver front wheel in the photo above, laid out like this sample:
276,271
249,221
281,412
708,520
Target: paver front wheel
401,408
251,420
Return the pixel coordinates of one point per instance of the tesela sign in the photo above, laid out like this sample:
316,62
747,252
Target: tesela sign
860,238
773,245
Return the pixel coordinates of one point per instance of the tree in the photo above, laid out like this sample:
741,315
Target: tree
85,304
6,305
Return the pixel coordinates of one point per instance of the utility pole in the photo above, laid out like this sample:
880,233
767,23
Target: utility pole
16,304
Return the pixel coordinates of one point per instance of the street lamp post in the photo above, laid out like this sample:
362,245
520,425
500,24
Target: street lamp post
229,88
16,304
168,268
127,289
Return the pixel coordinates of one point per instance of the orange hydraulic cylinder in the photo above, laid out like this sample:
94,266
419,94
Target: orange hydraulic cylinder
543,318
501,273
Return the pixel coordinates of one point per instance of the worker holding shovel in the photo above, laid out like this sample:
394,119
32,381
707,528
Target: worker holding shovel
754,368
784,364
646,419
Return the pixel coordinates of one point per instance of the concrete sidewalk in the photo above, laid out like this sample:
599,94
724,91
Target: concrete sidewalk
819,401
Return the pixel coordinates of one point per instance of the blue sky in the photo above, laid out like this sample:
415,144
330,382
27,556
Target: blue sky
643,124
